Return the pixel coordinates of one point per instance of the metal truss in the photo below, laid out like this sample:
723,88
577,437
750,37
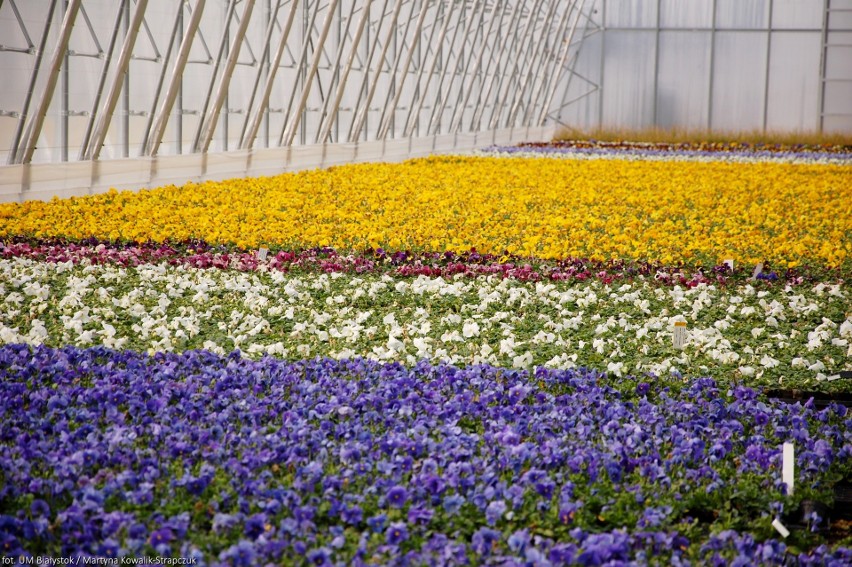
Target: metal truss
127,78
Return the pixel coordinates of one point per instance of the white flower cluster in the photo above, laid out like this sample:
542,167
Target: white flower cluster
778,333
628,155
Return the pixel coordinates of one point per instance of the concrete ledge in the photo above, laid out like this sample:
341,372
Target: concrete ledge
43,181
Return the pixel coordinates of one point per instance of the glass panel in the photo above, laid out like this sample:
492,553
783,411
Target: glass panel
838,63
837,97
739,70
684,79
628,90
794,81
631,14
801,14
742,14
840,21
692,14
839,124
583,113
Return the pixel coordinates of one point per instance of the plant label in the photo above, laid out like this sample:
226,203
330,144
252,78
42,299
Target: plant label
781,528
261,254
757,271
788,466
729,263
679,334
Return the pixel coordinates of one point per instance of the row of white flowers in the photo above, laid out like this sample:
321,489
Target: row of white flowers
761,332
652,155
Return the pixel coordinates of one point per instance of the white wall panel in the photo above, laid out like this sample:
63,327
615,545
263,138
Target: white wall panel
742,14
631,14
628,93
584,112
691,14
797,14
739,68
794,81
683,82
621,79
839,64
840,19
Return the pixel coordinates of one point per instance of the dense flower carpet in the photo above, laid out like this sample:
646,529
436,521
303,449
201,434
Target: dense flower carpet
449,361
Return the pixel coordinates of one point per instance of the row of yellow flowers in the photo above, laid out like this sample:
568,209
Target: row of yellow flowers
666,211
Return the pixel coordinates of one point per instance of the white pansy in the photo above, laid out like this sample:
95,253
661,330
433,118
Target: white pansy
470,329
523,360
616,368
395,345
452,336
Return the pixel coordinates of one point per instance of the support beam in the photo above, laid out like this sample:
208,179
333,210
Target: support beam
465,74
365,69
361,117
547,60
534,68
390,109
308,28
514,24
214,75
509,78
25,152
90,123
222,91
414,109
290,131
248,139
162,119
438,107
173,41
557,75
329,113
461,103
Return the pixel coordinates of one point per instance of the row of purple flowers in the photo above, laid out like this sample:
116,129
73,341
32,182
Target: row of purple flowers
234,461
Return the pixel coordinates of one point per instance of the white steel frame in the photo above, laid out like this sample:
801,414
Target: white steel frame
354,71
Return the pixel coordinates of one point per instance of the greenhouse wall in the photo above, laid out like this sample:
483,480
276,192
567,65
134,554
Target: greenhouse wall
201,89
729,65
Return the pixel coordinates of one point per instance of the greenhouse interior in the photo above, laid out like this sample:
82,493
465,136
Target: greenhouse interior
426,282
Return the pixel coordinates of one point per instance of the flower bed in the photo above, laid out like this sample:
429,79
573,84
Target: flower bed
351,462
759,332
733,152
480,371
683,212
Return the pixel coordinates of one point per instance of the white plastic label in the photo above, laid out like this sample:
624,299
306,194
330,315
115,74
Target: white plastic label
788,466
757,271
679,334
729,263
781,528
261,254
